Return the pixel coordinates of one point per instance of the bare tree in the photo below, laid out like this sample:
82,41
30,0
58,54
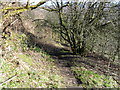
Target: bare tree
80,21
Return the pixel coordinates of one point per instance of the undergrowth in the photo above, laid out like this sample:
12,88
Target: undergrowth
89,79
20,70
31,67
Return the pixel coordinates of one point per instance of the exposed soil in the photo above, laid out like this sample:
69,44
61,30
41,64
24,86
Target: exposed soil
92,61
65,60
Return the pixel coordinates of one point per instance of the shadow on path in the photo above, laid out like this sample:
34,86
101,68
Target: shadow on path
65,60
64,63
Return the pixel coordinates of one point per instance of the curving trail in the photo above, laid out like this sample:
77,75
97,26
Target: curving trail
65,60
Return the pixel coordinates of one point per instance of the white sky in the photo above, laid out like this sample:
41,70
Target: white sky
36,1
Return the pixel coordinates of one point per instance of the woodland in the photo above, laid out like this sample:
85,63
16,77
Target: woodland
60,44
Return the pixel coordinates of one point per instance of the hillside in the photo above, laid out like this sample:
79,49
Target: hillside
34,56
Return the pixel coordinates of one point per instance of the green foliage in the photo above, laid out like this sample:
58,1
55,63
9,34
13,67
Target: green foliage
89,79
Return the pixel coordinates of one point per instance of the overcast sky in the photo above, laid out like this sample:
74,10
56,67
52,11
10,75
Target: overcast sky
36,1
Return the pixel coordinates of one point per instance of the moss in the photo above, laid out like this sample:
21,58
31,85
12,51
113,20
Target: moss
14,13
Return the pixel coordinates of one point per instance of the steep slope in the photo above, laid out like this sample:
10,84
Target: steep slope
32,58
28,67
23,63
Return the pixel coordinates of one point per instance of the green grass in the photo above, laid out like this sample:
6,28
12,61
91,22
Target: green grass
89,79
25,58
29,73
37,49
33,77
40,71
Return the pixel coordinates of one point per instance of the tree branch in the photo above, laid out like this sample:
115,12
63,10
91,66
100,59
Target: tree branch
25,7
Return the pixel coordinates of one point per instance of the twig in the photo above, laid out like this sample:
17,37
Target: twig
14,21
9,79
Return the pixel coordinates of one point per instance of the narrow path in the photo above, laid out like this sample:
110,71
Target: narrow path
62,64
71,81
47,44
66,60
